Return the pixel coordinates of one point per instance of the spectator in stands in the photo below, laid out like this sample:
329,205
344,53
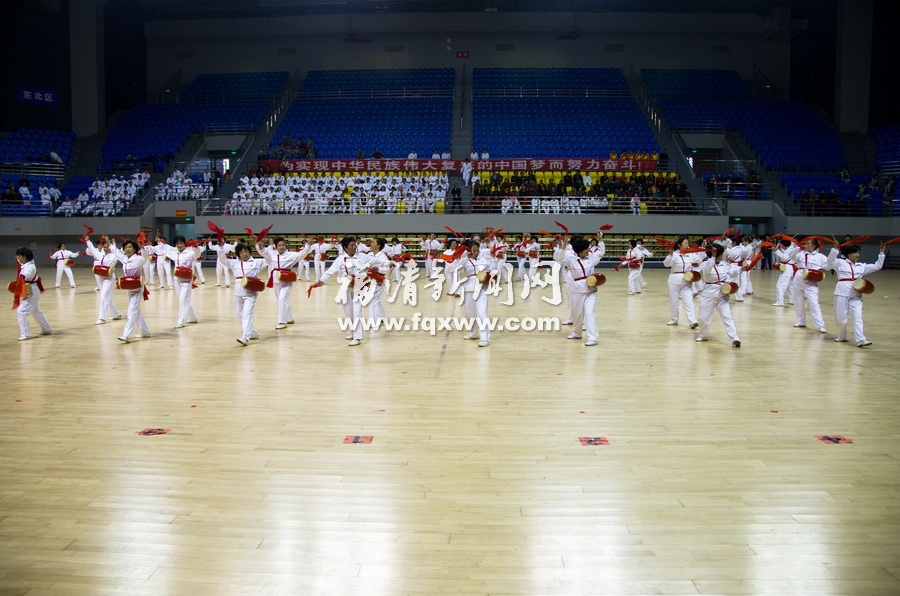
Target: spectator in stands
485,154
455,204
445,154
25,192
435,154
54,157
413,155
11,196
473,155
377,154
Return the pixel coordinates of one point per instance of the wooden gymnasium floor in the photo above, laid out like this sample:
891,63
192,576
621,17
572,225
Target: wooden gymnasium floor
475,482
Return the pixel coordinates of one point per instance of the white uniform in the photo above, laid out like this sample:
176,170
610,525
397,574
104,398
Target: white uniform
786,279
679,288
582,297
382,264
848,303
163,269
319,249
345,266
62,265
222,269
714,275
282,262
806,290
30,304
244,300
132,266
476,307
108,310
185,260
430,248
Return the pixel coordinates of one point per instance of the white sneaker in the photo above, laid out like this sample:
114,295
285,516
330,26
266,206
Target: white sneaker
777,304
590,343
470,336
672,322
99,322
822,330
179,326
574,336
117,318
861,344
127,340
701,338
567,322
349,337
839,339
280,326
25,337
243,341
484,343
141,336
799,324
355,342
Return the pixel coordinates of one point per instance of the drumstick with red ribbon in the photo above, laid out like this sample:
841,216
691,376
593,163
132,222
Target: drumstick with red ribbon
220,233
891,241
856,240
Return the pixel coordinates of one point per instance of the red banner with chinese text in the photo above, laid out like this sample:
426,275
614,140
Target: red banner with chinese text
450,165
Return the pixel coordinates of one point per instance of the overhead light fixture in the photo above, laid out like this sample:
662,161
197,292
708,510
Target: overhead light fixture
491,9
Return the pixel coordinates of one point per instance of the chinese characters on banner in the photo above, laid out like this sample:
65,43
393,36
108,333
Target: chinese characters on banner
451,165
44,97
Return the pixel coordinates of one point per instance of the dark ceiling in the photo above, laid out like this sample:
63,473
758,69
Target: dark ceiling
181,9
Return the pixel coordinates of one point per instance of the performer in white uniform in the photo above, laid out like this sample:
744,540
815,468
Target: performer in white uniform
133,260
848,303
104,258
715,272
788,270
581,263
222,270
346,266
430,248
163,268
476,305
320,249
63,258
27,294
379,265
244,268
806,289
679,287
183,257
281,261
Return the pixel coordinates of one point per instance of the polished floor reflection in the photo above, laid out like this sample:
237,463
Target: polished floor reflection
487,472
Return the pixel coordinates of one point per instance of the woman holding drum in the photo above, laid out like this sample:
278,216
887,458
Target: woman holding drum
131,281
247,286
720,280
280,263
681,261
104,269
849,289
183,257
811,266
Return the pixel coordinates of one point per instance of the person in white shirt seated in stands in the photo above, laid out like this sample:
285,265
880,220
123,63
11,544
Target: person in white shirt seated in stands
506,204
25,193
68,208
445,154
473,155
228,207
390,202
435,154
321,202
372,202
55,194
44,194
413,155
573,204
485,154
54,157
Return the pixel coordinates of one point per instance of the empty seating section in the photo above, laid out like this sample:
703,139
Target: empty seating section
560,127
152,133
341,127
368,83
396,111
33,145
235,86
695,83
887,147
556,112
608,81
853,198
785,134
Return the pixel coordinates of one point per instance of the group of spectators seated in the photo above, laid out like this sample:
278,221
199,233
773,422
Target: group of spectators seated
261,192
46,194
182,187
575,192
289,148
843,203
735,185
105,197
